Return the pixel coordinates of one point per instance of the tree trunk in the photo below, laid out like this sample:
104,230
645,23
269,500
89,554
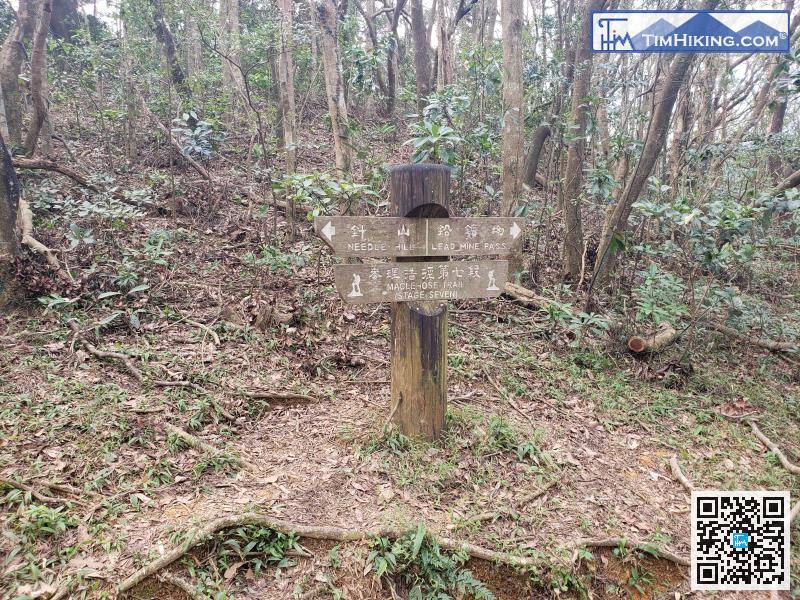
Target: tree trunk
66,19
513,124
9,207
680,136
531,167
617,220
774,164
422,53
38,77
576,149
194,47
444,64
491,20
12,56
392,58
792,181
369,46
286,86
231,49
325,16
164,36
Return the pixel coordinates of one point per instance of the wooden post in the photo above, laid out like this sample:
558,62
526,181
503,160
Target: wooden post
419,329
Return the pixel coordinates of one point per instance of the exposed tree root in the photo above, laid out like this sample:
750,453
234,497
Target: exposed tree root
615,542
338,534
25,217
771,345
205,328
678,474
788,465
195,442
183,585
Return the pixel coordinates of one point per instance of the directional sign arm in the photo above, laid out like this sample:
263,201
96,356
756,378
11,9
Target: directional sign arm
400,236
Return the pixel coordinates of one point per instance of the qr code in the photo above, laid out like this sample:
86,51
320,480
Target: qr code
740,540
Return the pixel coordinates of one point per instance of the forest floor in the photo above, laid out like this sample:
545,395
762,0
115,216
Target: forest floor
547,445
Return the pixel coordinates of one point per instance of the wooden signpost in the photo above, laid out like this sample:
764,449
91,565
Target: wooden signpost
420,236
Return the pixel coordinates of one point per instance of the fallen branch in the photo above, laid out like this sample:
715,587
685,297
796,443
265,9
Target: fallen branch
616,542
270,395
525,296
195,442
132,369
92,349
505,396
772,345
157,122
654,342
42,498
44,164
678,474
788,465
279,204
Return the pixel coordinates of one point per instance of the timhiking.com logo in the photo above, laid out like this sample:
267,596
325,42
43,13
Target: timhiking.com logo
686,31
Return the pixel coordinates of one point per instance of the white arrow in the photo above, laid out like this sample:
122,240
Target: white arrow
515,230
329,230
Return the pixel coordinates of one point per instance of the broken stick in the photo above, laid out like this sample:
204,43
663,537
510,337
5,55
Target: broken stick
658,340
675,467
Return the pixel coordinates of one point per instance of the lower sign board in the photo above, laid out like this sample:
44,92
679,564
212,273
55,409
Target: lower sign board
420,281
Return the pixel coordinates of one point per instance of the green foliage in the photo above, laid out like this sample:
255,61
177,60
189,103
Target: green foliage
390,440
37,521
433,141
600,183
500,435
417,562
277,261
196,137
659,298
248,547
323,193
